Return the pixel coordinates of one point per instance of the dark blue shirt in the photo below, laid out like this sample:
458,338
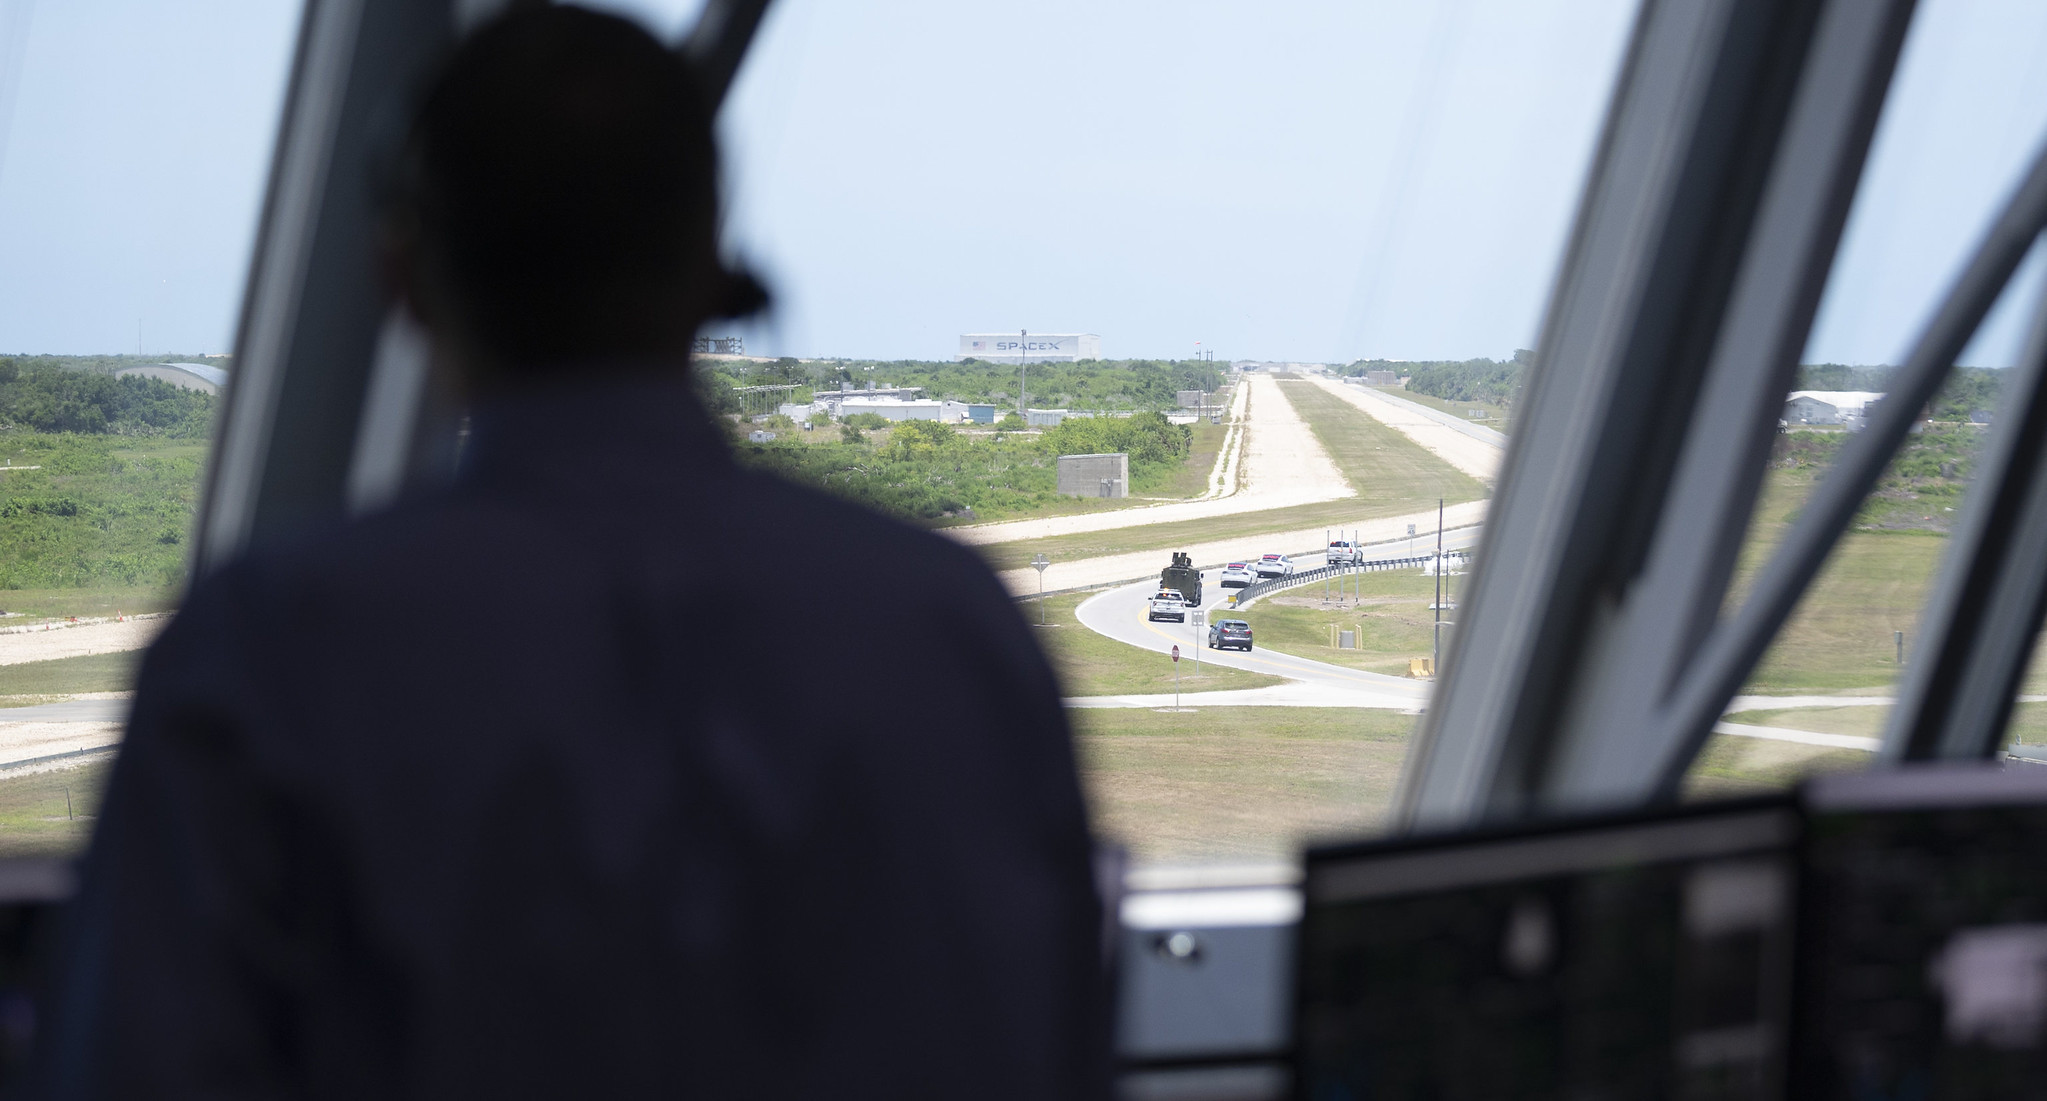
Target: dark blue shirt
611,770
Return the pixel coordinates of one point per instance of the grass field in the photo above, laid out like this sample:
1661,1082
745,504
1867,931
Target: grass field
1495,415
1732,766
91,512
1392,474
1389,610
1237,783
68,676
1091,664
1191,479
33,820
35,604
1840,636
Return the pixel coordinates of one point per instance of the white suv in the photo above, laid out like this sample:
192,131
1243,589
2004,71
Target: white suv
1274,565
1169,604
1344,553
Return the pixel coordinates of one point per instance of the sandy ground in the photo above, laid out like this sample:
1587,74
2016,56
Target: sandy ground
28,741
1283,465
72,642
1473,456
1129,567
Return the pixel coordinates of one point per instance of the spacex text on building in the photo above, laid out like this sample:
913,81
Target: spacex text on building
1012,347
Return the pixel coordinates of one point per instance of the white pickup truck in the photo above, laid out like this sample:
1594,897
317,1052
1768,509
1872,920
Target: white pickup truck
1168,604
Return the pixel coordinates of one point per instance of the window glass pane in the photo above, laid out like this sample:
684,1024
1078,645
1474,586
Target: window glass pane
1199,256
134,142
1964,116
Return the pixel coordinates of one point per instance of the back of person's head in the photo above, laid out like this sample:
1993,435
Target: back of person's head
556,204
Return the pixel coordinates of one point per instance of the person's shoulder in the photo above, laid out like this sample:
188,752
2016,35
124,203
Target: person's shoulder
866,537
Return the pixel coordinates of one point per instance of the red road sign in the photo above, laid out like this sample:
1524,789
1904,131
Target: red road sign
1176,653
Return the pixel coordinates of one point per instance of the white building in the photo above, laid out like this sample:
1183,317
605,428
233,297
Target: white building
1828,406
1020,346
895,409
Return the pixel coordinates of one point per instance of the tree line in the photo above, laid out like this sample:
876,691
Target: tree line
63,394
1104,384
1968,390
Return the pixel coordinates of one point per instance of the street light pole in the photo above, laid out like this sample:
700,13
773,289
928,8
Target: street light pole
1023,376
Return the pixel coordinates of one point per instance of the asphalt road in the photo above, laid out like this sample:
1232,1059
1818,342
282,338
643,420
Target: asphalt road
1121,614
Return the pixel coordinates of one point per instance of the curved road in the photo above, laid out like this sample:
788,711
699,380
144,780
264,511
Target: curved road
1120,614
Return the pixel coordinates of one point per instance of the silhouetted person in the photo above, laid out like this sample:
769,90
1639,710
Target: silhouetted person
610,770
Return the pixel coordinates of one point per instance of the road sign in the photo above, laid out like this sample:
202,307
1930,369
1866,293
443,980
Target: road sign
1039,562
1176,653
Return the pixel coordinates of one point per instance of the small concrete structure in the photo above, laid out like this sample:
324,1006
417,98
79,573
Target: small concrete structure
202,377
1095,475
1381,378
1192,399
1044,418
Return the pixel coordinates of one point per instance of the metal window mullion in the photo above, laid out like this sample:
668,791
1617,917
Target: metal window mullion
1738,643
277,274
1984,613
1604,753
1647,267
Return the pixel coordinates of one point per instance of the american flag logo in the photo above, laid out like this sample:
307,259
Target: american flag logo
980,345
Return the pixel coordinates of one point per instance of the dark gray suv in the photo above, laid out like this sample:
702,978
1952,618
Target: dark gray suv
1226,633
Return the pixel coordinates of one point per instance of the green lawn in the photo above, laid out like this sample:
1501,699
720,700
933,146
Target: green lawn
98,601
1191,478
97,512
1495,415
33,819
1091,664
1839,638
1732,766
1389,610
68,676
1391,473
1238,783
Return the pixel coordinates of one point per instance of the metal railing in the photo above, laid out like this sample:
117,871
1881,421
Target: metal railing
1259,588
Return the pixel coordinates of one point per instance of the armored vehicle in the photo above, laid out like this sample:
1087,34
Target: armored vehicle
1183,576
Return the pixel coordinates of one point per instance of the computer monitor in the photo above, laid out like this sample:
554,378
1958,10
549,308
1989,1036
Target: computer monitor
1645,956
1922,965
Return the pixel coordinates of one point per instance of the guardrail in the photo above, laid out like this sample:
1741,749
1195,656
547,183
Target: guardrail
1259,588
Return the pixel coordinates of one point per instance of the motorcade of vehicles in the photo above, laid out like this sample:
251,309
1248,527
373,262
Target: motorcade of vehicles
1168,604
1236,575
1273,565
1228,634
1182,575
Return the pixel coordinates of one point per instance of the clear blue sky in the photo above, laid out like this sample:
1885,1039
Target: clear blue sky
1315,181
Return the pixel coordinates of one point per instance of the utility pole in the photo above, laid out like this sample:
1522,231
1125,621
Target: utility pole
1436,653
1023,350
